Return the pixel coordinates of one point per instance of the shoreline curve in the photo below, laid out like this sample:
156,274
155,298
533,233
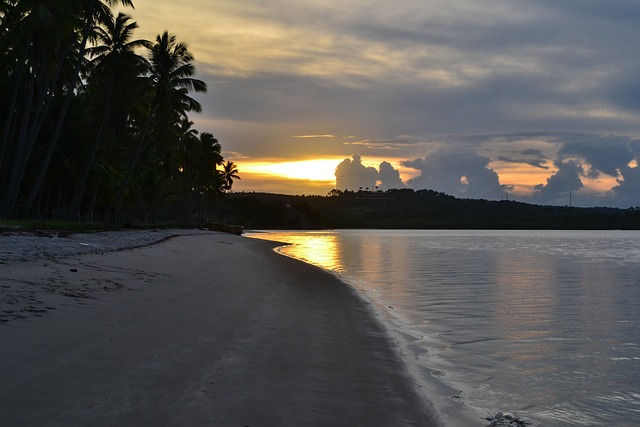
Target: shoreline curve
208,328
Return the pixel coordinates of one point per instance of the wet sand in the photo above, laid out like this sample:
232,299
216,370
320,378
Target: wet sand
205,329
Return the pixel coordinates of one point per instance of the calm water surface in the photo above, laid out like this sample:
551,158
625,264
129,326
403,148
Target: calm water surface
545,324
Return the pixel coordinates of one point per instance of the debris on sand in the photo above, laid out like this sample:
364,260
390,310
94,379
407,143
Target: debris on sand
506,419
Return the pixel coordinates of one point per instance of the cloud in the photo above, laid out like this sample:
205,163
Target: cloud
498,54
606,154
536,159
527,83
314,136
583,162
353,175
559,185
423,68
461,173
628,188
389,177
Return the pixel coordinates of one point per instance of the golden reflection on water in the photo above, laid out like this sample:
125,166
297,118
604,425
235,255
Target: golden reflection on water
317,248
369,257
550,316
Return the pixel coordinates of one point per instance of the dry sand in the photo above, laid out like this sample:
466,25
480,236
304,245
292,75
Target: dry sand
206,329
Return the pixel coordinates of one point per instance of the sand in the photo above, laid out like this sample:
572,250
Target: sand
200,329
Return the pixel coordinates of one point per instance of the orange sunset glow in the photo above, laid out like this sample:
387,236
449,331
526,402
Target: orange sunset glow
316,176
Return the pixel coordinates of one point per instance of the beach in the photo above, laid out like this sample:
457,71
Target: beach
190,328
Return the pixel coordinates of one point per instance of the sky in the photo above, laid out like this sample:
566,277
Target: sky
536,101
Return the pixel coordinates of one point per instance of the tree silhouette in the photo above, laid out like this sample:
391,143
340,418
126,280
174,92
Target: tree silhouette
39,51
171,80
115,70
229,173
89,12
87,122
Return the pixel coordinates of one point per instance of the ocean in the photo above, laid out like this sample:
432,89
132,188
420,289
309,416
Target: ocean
541,324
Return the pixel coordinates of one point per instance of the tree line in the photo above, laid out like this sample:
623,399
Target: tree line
95,120
409,209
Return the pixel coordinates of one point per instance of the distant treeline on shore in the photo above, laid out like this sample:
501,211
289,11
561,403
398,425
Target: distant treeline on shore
409,209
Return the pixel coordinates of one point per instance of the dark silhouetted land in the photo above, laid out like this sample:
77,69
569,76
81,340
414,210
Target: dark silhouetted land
408,209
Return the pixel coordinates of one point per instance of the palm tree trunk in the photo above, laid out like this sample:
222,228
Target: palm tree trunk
11,119
119,199
77,199
21,155
53,142
34,114
30,130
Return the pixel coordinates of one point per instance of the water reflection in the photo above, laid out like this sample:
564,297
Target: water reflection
317,248
546,323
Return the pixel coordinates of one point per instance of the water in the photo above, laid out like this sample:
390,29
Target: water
545,324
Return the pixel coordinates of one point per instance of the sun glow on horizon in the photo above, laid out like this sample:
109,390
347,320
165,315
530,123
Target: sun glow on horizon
317,176
318,170
312,170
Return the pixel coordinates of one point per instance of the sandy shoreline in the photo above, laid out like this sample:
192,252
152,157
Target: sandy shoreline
204,329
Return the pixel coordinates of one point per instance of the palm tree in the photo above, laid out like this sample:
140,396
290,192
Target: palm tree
43,45
207,157
186,139
172,72
171,77
115,68
229,173
89,12
38,36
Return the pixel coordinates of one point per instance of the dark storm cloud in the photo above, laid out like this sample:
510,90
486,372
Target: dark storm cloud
533,152
613,13
606,154
628,188
470,69
462,173
387,144
559,186
534,158
457,168
538,161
